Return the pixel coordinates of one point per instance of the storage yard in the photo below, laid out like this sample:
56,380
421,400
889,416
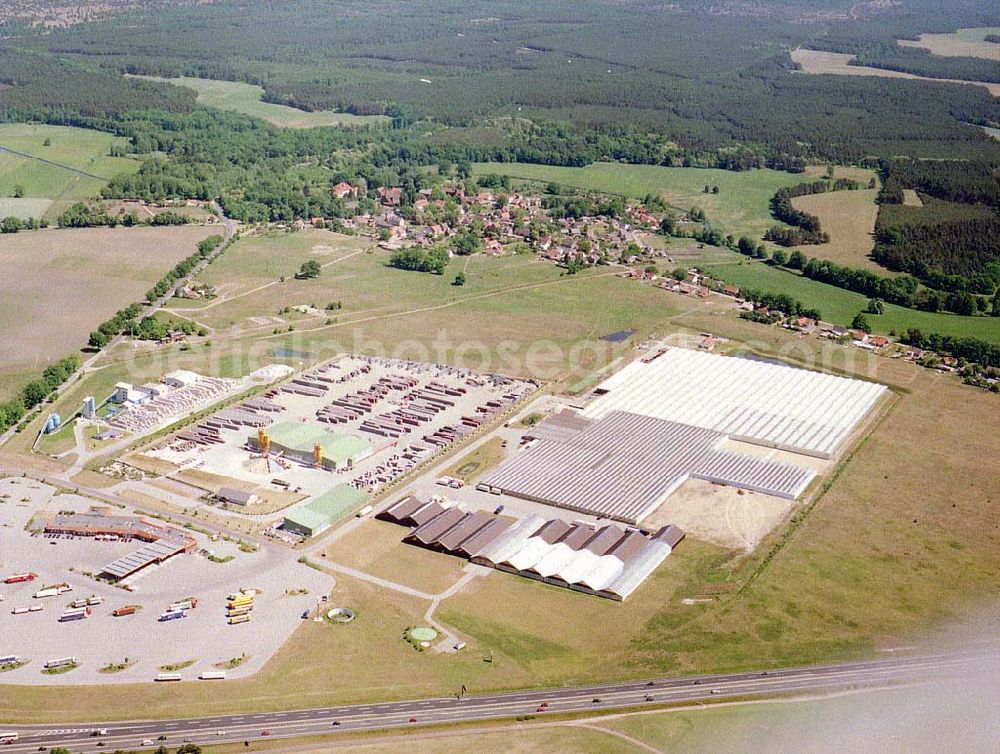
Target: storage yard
172,613
337,432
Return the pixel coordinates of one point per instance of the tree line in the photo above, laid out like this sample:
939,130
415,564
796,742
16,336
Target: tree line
37,391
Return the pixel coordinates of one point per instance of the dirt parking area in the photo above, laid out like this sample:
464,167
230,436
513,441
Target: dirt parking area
724,516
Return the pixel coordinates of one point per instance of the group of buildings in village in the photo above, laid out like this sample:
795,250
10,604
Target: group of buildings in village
505,221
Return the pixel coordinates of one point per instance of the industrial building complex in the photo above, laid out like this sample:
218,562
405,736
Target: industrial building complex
602,560
623,466
755,401
161,542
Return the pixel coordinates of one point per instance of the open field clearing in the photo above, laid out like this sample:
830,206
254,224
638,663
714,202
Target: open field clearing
515,299
377,548
60,284
969,43
740,207
836,63
849,218
24,208
861,175
245,98
839,306
912,199
840,584
53,175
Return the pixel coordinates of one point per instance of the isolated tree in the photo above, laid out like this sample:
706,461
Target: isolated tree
875,306
310,269
668,225
459,279
860,323
797,260
779,258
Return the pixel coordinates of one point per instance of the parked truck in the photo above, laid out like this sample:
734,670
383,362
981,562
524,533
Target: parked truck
87,601
75,614
187,604
18,578
244,610
127,610
213,675
172,615
239,619
53,590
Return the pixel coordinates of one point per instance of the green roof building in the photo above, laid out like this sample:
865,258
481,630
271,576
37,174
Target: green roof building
322,512
298,439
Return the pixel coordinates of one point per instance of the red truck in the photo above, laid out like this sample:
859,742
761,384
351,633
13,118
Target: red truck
18,578
127,610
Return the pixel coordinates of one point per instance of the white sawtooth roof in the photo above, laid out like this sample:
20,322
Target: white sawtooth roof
756,401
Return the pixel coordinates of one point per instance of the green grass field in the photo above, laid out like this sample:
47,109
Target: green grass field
245,98
740,207
70,149
839,306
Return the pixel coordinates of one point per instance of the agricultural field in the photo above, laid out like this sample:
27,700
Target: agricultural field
246,99
517,300
837,63
849,217
969,43
839,306
60,284
740,207
74,165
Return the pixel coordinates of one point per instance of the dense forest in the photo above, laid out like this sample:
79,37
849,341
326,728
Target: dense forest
703,80
951,242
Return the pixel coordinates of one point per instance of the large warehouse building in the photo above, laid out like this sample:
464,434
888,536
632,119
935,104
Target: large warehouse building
623,466
602,560
298,440
754,401
321,513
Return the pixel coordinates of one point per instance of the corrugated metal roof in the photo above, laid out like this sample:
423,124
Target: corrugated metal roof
433,529
624,465
761,402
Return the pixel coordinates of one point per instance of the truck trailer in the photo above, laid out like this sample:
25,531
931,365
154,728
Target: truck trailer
172,615
18,578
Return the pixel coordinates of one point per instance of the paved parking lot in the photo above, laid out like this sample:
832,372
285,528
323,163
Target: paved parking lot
203,636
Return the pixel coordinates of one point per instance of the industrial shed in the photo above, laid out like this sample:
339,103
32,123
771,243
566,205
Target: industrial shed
298,440
603,560
625,465
751,400
319,514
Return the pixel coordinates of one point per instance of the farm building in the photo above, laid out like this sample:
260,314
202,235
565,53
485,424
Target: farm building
298,440
754,401
603,560
624,465
319,514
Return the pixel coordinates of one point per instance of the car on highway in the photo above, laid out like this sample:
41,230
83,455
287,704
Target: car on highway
147,742
716,691
161,737
265,733
649,698
413,719
101,743
540,709
335,723
596,700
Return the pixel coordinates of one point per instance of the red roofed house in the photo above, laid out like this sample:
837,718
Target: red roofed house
343,189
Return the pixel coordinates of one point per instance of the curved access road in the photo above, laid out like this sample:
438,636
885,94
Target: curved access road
660,692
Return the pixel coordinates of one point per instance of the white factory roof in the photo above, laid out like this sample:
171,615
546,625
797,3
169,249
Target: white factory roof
624,466
755,401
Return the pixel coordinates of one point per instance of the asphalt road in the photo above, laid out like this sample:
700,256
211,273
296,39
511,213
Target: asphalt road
388,715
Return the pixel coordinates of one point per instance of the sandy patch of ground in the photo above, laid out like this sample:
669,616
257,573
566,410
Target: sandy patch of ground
912,199
817,62
968,43
849,218
721,515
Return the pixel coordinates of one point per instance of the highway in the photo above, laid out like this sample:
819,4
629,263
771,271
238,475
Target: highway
659,692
